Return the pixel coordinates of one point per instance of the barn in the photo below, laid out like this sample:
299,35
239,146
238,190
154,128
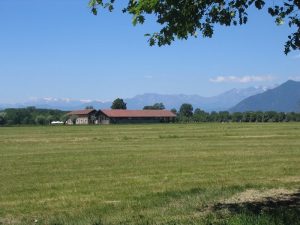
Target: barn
108,116
86,116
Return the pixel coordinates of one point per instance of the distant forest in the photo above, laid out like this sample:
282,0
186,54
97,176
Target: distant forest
186,114
30,115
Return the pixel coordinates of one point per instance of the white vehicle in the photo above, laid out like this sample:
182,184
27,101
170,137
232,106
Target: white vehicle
56,122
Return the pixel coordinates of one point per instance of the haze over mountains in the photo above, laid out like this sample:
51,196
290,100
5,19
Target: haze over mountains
223,101
216,103
284,98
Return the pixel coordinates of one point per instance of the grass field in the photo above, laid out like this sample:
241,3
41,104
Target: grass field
151,174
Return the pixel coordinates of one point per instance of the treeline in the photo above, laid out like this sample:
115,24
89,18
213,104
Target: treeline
187,114
30,115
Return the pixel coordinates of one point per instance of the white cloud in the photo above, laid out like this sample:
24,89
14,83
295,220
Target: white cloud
242,79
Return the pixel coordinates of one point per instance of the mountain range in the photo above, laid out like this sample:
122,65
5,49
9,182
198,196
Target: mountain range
284,98
222,101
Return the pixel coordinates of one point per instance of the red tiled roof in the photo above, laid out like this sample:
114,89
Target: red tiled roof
137,113
81,112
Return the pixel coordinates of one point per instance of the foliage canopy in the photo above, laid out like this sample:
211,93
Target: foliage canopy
156,106
30,115
185,18
118,104
186,110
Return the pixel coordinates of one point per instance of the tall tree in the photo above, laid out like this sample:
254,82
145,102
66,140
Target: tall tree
118,104
186,110
186,18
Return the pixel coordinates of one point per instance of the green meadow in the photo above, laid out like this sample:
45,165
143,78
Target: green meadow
209,173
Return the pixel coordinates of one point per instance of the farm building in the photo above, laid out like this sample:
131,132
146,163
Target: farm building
86,116
108,116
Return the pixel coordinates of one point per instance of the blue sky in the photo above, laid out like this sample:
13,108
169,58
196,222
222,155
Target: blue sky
52,48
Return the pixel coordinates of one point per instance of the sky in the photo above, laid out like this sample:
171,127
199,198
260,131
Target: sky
52,48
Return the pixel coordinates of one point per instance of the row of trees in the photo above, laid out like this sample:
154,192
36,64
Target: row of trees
30,115
186,113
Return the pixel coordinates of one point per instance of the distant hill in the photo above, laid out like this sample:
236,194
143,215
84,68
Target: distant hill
215,103
223,101
284,98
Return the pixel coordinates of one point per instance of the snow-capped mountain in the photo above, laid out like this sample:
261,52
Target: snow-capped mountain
215,103
284,98
222,101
